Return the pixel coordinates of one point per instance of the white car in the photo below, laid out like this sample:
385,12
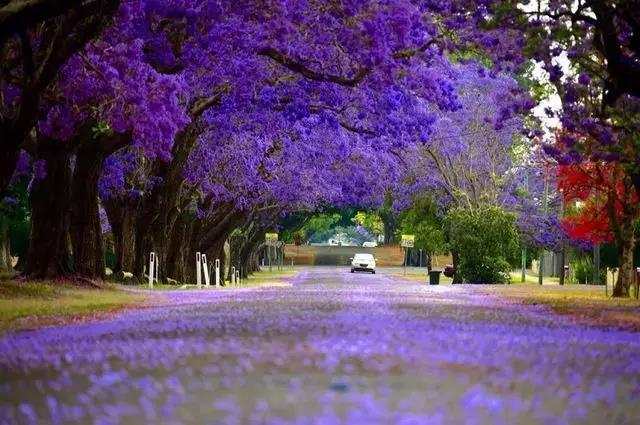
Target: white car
363,263
369,244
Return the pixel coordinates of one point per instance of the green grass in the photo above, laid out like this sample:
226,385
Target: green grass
586,303
516,277
29,304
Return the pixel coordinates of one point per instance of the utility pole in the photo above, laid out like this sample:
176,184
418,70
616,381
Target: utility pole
545,206
562,247
596,254
523,278
405,260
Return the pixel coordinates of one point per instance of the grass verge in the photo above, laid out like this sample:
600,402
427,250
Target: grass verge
32,304
588,304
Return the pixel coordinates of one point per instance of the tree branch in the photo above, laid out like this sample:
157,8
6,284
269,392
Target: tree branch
311,74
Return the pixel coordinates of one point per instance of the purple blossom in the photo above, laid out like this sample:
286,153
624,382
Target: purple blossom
333,348
39,169
584,79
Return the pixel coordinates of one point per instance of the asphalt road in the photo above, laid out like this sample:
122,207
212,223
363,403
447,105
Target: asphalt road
333,347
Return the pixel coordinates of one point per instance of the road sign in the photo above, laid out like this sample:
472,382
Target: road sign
271,239
408,241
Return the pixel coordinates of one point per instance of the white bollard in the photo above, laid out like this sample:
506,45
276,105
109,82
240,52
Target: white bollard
152,267
205,268
198,270
217,272
233,276
157,269
238,277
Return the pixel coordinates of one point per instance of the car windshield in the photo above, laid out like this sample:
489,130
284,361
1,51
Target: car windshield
363,257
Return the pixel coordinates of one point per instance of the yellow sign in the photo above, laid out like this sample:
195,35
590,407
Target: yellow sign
408,241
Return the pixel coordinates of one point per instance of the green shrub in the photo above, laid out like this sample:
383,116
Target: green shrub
484,239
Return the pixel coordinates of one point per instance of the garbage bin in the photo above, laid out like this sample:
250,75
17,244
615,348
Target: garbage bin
434,277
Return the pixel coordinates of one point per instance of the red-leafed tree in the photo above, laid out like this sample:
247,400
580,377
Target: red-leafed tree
608,210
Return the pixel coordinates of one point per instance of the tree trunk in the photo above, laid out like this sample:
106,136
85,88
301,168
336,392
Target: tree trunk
48,255
217,252
122,218
86,229
141,250
176,261
626,246
457,278
8,161
5,251
390,227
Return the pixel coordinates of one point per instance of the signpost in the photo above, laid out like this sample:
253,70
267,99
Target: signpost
271,240
233,276
407,241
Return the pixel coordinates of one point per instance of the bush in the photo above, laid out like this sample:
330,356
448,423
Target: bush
484,239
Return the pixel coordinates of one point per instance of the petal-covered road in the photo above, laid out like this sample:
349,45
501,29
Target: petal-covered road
334,347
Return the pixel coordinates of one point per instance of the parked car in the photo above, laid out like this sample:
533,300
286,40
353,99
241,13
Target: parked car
363,263
369,244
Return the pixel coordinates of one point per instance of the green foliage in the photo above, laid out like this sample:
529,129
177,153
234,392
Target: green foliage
582,267
539,89
423,221
485,239
370,221
582,270
321,227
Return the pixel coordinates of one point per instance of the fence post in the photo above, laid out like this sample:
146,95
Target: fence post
199,269
152,267
205,268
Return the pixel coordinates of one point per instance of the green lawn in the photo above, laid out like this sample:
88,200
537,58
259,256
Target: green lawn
586,303
30,304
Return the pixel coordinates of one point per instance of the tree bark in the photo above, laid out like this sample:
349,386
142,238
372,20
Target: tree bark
178,247
85,226
142,246
390,224
626,246
457,278
8,161
5,251
48,255
121,214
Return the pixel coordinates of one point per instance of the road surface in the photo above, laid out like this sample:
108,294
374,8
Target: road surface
334,347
